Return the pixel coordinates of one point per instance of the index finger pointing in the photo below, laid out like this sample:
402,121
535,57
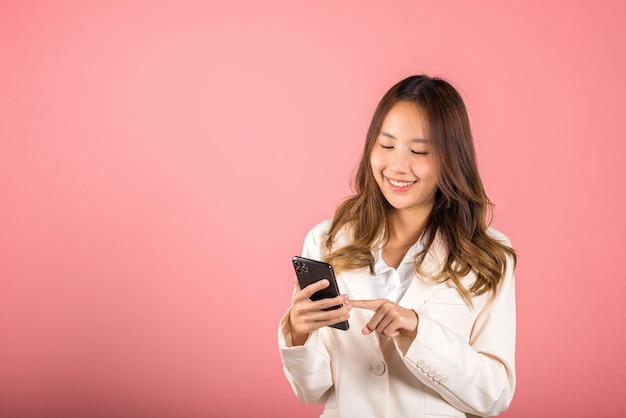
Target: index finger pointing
372,304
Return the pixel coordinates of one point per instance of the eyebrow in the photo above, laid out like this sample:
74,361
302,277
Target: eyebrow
388,135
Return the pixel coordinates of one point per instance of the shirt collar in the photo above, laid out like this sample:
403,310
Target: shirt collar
379,264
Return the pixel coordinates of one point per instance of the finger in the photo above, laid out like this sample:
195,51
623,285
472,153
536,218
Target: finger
381,312
332,317
331,302
318,319
315,287
387,326
396,321
372,324
324,309
371,304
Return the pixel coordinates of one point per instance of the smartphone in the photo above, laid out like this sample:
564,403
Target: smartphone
311,271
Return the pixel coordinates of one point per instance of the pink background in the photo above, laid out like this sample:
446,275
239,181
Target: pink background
161,161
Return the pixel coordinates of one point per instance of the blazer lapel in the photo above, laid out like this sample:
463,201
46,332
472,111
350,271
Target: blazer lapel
357,283
422,287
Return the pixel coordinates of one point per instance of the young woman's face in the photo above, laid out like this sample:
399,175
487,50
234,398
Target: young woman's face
402,162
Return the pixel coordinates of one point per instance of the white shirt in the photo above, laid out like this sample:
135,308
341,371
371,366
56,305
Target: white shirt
390,283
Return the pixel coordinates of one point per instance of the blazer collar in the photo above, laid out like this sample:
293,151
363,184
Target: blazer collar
358,282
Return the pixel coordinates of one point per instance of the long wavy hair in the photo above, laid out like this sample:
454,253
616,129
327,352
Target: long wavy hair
461,212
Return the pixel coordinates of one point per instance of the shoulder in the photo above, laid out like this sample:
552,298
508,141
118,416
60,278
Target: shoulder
321,229
315,241
510,255
499,236
318,233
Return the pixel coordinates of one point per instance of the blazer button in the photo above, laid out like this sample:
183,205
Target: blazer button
378,368
431,373
421,363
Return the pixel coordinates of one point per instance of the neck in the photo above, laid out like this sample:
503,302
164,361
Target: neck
406,228
404,231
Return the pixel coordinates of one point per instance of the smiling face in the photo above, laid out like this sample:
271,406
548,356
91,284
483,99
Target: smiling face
403,163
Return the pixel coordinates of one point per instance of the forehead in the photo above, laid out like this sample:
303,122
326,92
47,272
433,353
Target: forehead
406,119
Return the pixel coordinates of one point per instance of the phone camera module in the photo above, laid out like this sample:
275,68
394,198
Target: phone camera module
301,268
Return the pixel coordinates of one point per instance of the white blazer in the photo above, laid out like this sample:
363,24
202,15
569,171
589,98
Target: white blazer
462,360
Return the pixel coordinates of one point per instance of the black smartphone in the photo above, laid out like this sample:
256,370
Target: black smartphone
311,271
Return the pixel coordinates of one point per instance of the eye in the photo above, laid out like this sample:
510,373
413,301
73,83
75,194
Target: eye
386,146
419,152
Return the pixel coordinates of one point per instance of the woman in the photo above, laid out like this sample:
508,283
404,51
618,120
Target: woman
429,286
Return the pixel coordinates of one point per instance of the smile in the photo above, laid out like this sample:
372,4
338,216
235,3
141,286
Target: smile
401,183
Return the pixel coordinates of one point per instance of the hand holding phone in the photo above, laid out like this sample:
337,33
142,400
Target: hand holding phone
311,271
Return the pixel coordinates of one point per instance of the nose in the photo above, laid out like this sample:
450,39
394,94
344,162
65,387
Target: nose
400,162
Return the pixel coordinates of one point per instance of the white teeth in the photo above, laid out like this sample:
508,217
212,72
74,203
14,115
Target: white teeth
401,183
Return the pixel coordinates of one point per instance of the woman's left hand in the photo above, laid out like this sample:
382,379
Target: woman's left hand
389,318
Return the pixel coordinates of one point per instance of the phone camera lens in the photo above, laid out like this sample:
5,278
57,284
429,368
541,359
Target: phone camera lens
301,268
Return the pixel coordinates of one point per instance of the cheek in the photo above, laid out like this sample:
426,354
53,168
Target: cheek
427,171
436,173
376,167
377,162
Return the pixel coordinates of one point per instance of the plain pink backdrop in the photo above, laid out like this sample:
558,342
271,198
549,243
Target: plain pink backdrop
161,161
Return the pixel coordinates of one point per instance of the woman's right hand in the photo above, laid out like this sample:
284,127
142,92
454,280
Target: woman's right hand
307,316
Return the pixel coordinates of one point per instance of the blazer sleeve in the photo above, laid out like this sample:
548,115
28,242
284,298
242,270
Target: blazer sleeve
475,376
307,367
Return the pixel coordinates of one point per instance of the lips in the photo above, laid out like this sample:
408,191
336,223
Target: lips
401,183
